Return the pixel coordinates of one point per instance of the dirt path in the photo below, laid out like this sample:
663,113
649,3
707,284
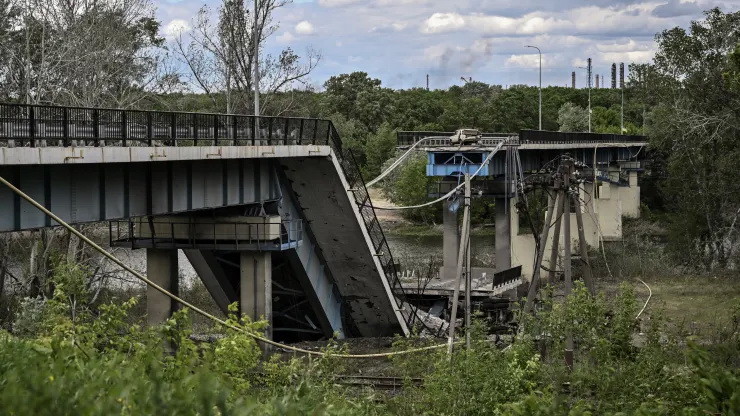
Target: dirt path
386,217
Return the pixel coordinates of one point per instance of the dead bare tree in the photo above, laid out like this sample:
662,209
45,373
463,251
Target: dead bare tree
219,57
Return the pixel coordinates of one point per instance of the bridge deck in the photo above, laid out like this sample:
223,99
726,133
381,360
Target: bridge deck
125,163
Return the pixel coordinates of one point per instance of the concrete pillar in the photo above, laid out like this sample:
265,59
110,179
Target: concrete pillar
503,234
450,242
256,286
630,197
161,268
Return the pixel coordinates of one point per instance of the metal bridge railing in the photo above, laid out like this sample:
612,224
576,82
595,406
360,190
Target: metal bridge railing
196,232
441,138
380,244
408,138
43,125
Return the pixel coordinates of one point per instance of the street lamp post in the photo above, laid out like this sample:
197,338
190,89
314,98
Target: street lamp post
540,89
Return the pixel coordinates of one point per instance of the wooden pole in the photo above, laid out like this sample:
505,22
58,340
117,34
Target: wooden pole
556,236
468,287
588,277
567,260
551,203
460,259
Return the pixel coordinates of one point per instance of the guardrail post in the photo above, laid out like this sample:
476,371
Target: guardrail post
149,129
124,129
173,127
233,128
269,131
215,129
254,124
285,132
300,133
65,127
32,125
195,129
96,127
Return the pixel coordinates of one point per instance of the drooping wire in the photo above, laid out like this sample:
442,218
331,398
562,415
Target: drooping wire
455,189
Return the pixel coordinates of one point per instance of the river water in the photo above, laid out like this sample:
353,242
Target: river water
416,252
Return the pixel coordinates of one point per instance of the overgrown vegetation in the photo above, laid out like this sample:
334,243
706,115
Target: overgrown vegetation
84,361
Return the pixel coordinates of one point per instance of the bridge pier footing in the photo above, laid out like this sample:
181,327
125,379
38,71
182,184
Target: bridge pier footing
503,233
256,286
161,268
450,241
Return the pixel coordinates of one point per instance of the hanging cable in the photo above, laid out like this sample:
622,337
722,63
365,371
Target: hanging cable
455,189
400,160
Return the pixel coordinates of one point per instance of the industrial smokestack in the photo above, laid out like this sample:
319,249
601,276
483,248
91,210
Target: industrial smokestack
597,80
614,75
573,79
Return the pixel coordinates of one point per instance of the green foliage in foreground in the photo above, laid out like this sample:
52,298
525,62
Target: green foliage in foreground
87,363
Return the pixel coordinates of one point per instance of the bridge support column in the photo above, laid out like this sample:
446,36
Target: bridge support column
608,210
450,242
503,233
256,286
630,196
161,268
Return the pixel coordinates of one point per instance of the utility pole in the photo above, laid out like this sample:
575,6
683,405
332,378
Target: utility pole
256,65
621,87
533,285
468,280
540,89
588,277
589,95
568,355
461,256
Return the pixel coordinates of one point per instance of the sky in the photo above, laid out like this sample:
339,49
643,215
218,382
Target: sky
401,41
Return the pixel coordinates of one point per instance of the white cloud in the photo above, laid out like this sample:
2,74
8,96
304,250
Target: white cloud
525,61
628,57
304,28
175,28
443,22
491,25
286,37
338,3
389,27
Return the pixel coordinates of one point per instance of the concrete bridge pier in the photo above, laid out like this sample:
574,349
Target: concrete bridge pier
161,268
255,297
450,241
503,226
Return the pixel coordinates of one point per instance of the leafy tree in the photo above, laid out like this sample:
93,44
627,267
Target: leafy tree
572,118
695,125
379,148
411,188
343,90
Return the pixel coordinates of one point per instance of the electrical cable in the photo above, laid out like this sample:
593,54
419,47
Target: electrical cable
400,160
189,305
455,189
650,295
